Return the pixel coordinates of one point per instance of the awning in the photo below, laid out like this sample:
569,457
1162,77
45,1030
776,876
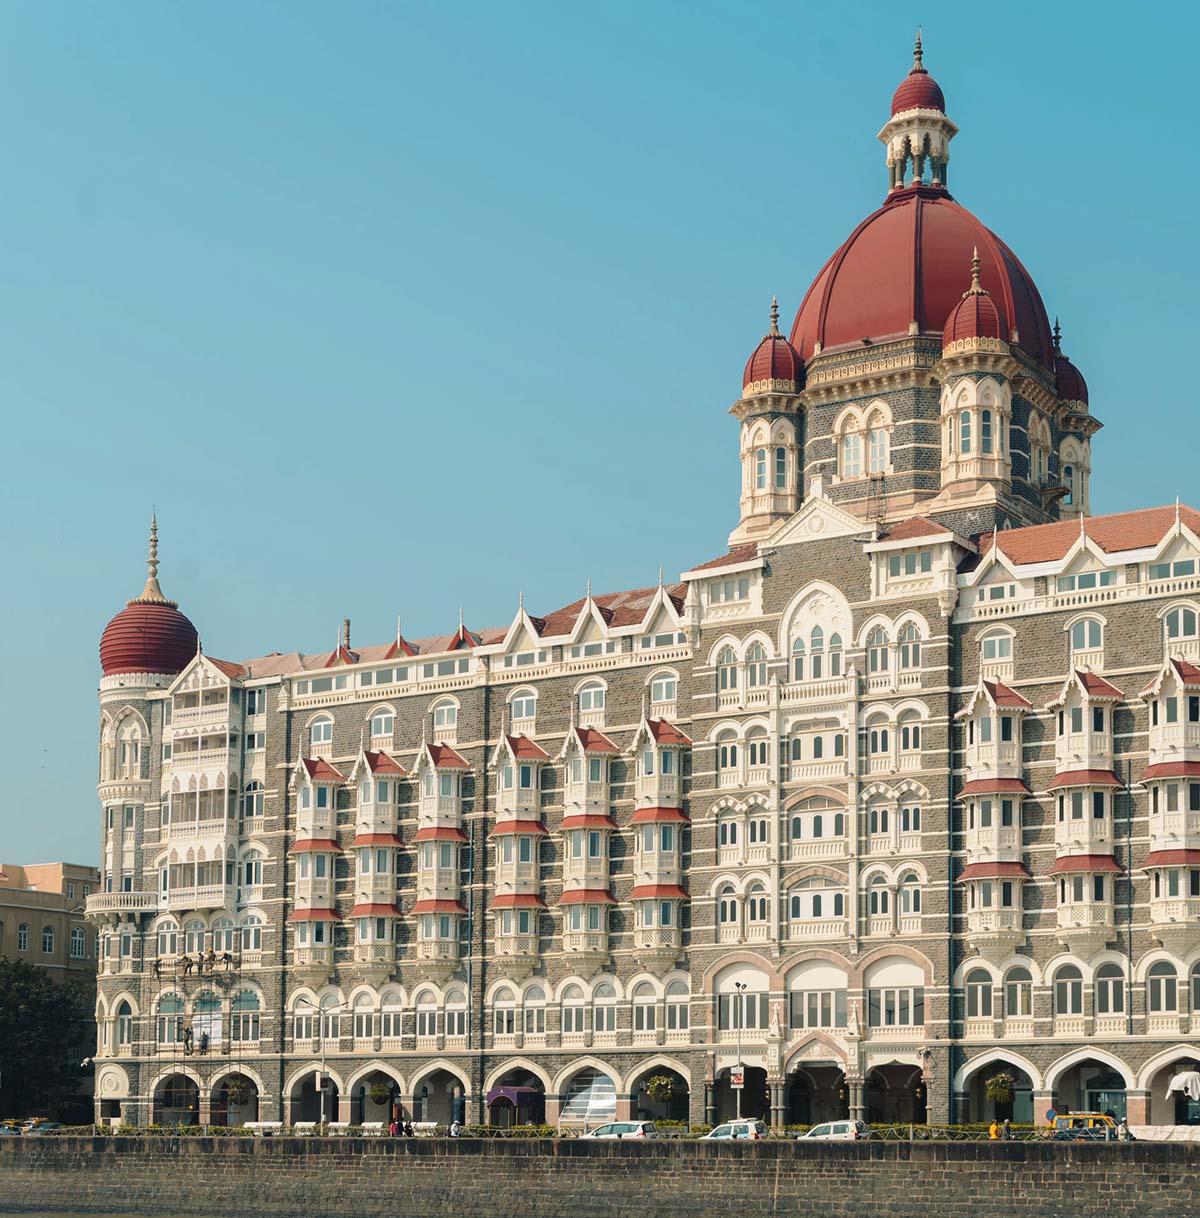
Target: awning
515,1095
994,871
313,915
1084,862
658,892
646,816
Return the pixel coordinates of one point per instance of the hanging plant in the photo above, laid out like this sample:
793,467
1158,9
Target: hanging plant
237,1090
660,1088
1000,1088
380,1093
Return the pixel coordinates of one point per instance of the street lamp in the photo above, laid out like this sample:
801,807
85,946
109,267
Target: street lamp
321,1013
740,986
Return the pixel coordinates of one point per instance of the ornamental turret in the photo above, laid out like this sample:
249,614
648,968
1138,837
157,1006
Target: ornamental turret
918,134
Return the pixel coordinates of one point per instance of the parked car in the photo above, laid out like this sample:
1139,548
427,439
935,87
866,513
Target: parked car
623,1129
837,1131
7,1131
730,1130
36,1128
1084,1127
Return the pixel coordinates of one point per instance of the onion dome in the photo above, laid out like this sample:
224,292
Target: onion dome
775,366
1069,380
149,634
975,316
918,90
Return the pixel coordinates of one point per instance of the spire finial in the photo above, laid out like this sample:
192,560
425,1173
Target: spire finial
589,588
152,594
460,620
976,286
774,315
1057,338
918,66
660,583
346,633
399,633
521,601
1177,511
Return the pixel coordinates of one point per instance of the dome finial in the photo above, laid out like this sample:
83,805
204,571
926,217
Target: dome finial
918,66
774,314
1057,338
976,286
152,594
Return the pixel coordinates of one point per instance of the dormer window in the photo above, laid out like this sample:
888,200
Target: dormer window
725,591
523,659
1086,580
584,651
1173,570
910,563
669,639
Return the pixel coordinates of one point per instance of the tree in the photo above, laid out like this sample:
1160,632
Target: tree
41,1022
660,1088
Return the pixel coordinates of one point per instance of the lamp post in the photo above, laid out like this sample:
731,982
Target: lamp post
321,1013
740,986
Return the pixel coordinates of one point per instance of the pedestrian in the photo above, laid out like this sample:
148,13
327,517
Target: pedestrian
1006,1132
994,1130
1123,1132
408,1130
393,1128
455,1129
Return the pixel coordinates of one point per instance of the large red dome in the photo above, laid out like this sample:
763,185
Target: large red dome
904,264
149,634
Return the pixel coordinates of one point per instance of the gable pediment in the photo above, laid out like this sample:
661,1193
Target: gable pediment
817,520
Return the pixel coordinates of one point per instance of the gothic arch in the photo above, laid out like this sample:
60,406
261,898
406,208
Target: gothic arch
1088,1053
973,1065
568,1072
659,1061
374,1067
516,1063
441,1064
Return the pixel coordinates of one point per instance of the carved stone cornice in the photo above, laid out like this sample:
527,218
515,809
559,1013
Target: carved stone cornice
836,375
767,405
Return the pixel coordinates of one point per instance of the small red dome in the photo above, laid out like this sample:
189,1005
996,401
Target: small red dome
918,90
975,316
775,364
149,634
1071,385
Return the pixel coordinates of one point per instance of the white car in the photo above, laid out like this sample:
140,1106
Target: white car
730,1130
624,1129
837,1131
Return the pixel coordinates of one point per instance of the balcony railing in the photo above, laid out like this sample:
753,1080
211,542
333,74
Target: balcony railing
438,949
374,953
817,928
585,941
517,945
657,791
314,954
207,896
100,903
1167,910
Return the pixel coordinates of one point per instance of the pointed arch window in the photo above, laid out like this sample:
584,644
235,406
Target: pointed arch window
852,455
817,644
877,449
910,646
877,650
986,441
760,469
756,666
964,431
780,468
727,674
798,655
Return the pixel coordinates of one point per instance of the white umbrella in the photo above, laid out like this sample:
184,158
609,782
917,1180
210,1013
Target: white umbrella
1186,1081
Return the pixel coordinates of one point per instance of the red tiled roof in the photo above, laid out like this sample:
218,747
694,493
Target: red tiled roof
525,749
376,839
738,554
439,833
319,770
343,655
1095,686
994,871
1084,862
646,816
914,526
398,647
975,316
314,845
439,905
995,786
313,915
588,820
1084,778
518,900
1188,674
382,763
1172,858
228,667
1113,534
1003,696
445,758
775,363
594,741
587,896
662,892
667,733
1172,769
502,827
616,608
375,909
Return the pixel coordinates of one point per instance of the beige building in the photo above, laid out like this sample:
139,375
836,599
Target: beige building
42,916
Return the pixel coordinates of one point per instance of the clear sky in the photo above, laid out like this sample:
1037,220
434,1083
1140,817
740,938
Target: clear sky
390,307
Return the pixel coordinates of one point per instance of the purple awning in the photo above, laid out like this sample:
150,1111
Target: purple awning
514,1095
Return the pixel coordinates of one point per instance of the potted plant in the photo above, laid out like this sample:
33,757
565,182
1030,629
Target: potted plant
380,1093
660,1088
999,1088
237,1090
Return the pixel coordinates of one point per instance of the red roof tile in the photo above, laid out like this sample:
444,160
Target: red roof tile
588,820
1113,534
524,749
439,833
1188,675
667,733
319,770
994,871
1095,686
661,892
382,763
995,786
377,839
587,896
647,816
1084,862
375,909
1084,778
314,845
1172,769
739,554
518,900
228,667
343,655
503,827
1172,858
446,758
1005,697
313,915
439,906
914,526
594,741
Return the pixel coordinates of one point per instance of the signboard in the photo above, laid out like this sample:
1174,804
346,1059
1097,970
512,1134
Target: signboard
737,1077
1050,1115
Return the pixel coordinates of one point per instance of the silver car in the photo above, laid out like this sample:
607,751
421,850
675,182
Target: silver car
623,1129
732,1130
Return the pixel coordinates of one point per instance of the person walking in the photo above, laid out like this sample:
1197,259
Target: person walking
455,1129
994,1130
1006,1131
408,1130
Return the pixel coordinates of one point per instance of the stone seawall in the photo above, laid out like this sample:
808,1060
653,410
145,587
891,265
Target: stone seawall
438,1178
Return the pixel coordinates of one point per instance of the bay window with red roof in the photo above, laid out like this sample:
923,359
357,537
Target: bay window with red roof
587,755
518,762
1084,888
439,924
585,922
659,747
993,896
991,722
439,772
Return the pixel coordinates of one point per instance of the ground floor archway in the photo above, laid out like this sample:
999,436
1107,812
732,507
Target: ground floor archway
375,1097
439,1097
234,1101
648,1101
518,1097
1175,1107
1091,1085
308,1103
816,1092
1018,1108
177,1101
590,1097
755,1095
895,1095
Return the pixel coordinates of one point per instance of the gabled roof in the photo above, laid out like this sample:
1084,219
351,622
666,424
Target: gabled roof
738,555
524,749
319,770
343,655
443,757
234,671
399,647
382,763
914,526
1187,674
1113,534
998,694
592,741
666,733
1090,684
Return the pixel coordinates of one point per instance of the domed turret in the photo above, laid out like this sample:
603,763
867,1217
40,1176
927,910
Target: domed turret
775,366
150,634
975,317
918,90
1072,388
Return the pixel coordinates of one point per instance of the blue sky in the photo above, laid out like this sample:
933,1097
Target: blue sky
390,307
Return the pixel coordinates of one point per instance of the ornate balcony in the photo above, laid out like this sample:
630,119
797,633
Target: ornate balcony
1085,927
657,948
996,933
114,906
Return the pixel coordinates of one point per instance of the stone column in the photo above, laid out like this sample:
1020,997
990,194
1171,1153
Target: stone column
204,1112
553,1106
1041,1101
778,1103
962,1107
857,1099
624,1107
1137,1107
710,1103
345,1107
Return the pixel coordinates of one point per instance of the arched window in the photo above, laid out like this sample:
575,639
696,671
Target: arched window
964,432
758,749
727,753
756,903
504,1012
320,732
727,675
193,936
677,1006
251,933
1161,988
573,1011
816,643
1087,635
591,697
1018,992
852,455
224,935
877,895
252,799
727,905
1068,991
1181,623
979,994
331,1017
1195,986
1068,479
909,641
124,1024
168,939
523,704
756,666
78,942
382,724
910,894
445,714
985,432
604,1008
760,469
877,449
996,647
169,1024
534,1011
877,741
644,1007
664,688
877,650
1110,990
244,1016
780,468
798,656
727,833
910,732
